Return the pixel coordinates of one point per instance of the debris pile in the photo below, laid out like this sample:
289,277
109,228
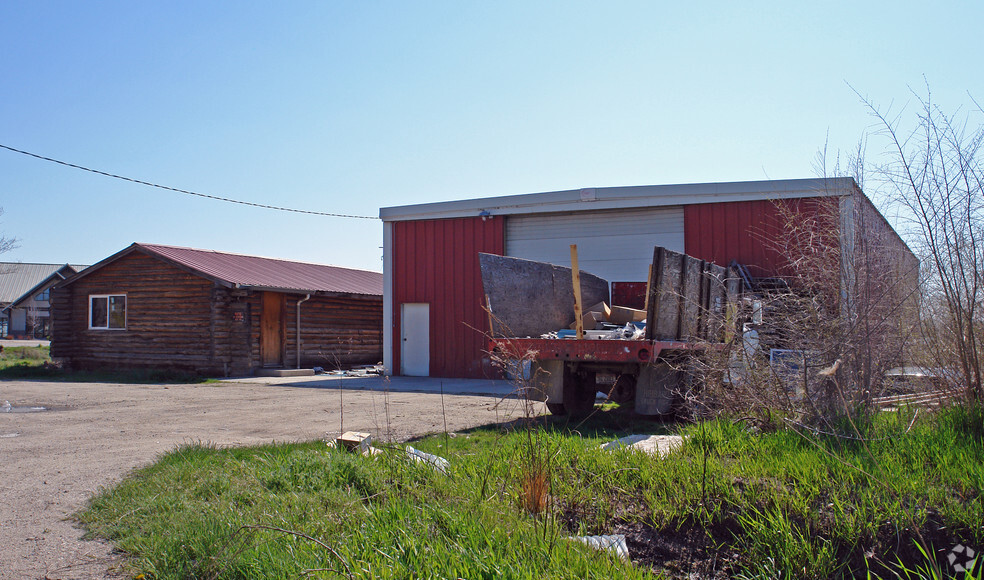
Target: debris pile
358,371
359,442
604,322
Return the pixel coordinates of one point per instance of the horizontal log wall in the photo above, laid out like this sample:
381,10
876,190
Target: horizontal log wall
336,331
168,319
177,320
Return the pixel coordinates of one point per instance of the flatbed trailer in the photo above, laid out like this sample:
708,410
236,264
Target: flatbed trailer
565,372
687,312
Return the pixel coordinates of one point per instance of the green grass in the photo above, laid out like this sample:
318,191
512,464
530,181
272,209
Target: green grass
729,502
18,362
34,362
24,356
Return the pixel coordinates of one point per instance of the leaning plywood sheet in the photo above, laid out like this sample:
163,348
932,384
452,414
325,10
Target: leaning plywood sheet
688,298
529,298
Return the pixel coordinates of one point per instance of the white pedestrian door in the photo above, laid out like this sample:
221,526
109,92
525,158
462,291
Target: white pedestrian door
415,340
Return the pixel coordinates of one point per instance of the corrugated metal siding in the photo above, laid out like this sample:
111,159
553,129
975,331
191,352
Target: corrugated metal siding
17,278
436,261
614,244
751,232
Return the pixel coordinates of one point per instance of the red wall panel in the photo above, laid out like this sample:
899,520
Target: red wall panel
753,232
436,261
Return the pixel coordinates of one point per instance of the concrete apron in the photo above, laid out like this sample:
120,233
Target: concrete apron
435,385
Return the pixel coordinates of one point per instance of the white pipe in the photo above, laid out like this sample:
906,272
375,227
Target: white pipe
298,328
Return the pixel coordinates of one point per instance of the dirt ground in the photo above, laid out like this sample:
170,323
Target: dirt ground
93,434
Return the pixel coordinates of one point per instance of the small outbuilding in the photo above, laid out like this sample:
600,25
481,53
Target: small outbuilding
434,321
215,313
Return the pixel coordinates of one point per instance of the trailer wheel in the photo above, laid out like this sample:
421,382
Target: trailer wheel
579,394
557,408
624,389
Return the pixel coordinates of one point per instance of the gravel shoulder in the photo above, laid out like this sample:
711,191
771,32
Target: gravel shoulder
94,434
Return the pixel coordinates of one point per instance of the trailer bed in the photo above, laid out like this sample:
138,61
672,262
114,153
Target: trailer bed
596,350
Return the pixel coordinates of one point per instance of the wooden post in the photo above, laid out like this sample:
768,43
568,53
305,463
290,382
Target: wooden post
649,282
576,278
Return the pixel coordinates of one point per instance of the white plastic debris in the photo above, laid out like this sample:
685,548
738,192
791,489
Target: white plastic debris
615,543
439,463
659,445
631,332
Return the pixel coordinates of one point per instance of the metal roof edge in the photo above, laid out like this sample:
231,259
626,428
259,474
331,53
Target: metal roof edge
150,247
623,197
149,250
142,248
37,286
98,265
298,291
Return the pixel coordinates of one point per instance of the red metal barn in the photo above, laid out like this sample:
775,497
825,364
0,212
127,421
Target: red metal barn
433,321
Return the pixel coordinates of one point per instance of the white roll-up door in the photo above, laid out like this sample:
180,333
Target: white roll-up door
614,244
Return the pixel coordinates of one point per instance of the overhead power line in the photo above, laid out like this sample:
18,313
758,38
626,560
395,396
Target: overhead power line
185,191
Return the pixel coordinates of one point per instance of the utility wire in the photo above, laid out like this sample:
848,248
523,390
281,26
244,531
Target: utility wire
185,191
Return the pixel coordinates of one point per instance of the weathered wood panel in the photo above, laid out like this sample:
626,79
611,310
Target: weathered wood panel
687,299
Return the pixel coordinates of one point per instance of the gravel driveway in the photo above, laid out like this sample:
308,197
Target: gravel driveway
93,434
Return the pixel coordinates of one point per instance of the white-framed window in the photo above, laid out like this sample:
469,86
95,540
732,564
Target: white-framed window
107,311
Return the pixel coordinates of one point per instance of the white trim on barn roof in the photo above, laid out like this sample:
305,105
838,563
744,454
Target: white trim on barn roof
624,197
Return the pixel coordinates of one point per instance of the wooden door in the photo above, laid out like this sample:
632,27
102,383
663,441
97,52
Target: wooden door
415,343
272,330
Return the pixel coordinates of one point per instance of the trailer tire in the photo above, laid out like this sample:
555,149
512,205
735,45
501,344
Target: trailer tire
579,394
557,409
624,389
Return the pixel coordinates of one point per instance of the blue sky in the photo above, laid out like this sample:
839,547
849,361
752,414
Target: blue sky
346,107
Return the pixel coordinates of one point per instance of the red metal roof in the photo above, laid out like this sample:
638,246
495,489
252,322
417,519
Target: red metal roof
269,273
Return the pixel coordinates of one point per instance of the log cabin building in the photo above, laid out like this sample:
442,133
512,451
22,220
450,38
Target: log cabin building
215,313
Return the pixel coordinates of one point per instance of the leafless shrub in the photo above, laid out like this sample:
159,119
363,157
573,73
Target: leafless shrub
934,176
6,243
841,311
